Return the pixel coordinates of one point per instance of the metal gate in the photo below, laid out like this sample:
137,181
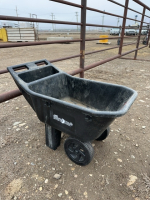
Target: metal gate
83,39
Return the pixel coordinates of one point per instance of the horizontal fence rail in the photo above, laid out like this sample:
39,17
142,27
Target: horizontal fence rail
107,13
68,3
16,44
75,56
142,4
83,24
27,19
131,8
133,59
15,93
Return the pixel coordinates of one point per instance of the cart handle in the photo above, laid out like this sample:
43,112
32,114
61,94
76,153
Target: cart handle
28,66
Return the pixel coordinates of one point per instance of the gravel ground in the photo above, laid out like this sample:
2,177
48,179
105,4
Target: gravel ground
120,168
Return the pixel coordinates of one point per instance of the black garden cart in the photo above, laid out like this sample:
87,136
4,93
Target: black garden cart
82,108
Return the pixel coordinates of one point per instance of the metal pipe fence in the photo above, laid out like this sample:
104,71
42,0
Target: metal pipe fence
83,39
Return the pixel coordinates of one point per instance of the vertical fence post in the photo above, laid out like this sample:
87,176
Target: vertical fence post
139,36
82,36
148,36
123,25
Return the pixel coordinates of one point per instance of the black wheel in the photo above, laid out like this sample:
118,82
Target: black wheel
79,152
104,135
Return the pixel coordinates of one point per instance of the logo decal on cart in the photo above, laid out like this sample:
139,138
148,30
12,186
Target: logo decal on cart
63,121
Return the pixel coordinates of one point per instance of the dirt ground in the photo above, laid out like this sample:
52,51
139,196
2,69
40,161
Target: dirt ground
120,169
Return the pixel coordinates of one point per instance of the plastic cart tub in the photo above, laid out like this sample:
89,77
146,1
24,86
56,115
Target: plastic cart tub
82,108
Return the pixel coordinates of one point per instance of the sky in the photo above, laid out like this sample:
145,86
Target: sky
45,8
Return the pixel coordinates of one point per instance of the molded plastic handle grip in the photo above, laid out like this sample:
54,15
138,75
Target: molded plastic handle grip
29,65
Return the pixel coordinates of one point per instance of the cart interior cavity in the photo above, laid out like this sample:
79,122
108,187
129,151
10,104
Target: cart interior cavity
94,95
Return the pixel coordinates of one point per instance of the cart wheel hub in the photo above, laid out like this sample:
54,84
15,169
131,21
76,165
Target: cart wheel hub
79,152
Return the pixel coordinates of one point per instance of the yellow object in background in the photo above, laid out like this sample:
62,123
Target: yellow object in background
3,35
103,40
